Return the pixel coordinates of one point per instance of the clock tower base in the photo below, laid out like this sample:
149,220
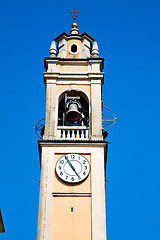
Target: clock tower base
72,211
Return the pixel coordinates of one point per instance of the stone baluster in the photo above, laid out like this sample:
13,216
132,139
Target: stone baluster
87,133
68,134
77,134
82,134
63,133
73,135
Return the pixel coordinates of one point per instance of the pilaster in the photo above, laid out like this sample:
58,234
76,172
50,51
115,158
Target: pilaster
96,109
50,114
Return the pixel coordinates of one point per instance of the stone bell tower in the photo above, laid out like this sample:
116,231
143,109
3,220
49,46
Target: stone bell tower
73,150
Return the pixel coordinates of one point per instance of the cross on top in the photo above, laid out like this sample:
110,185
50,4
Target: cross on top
74,14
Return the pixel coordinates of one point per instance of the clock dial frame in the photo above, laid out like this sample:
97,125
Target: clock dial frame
72,168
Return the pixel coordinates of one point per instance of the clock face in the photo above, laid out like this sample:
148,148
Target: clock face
72,168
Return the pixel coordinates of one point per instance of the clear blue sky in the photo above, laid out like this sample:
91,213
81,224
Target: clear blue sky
128,35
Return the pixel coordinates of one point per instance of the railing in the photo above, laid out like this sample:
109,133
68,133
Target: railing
72,132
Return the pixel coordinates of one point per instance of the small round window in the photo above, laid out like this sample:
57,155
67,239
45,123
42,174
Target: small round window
73,48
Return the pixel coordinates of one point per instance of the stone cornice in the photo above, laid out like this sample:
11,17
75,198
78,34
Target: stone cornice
78,76
66,36
73,61
68,143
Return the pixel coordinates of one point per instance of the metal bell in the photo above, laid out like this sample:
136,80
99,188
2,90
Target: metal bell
73,114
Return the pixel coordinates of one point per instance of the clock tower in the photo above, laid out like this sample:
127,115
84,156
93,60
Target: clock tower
73,150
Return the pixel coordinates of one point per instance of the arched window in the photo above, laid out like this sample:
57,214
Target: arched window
73,109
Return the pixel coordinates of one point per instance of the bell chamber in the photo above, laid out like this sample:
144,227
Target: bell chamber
73,110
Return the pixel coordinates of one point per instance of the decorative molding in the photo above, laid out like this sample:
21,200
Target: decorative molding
71,194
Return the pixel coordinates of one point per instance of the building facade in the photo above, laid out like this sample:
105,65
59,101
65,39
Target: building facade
73,151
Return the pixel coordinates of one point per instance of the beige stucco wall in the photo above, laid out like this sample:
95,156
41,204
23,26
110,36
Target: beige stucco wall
79,55
73,68
69,225
60,88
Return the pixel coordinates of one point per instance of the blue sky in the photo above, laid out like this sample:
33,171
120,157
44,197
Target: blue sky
128,36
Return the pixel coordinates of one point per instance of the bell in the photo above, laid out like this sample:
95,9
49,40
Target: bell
73,114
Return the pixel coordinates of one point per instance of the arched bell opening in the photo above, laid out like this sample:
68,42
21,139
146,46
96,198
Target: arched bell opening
73,109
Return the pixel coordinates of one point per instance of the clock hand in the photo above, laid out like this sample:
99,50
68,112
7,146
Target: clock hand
70,164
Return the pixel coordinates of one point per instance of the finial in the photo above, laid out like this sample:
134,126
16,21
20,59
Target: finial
74,14
74,29
95,50
53,50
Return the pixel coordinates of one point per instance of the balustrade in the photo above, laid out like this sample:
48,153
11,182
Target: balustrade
67,132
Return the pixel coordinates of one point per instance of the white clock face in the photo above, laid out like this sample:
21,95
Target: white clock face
72,168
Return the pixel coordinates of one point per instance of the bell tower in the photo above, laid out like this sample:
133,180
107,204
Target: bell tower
73,150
